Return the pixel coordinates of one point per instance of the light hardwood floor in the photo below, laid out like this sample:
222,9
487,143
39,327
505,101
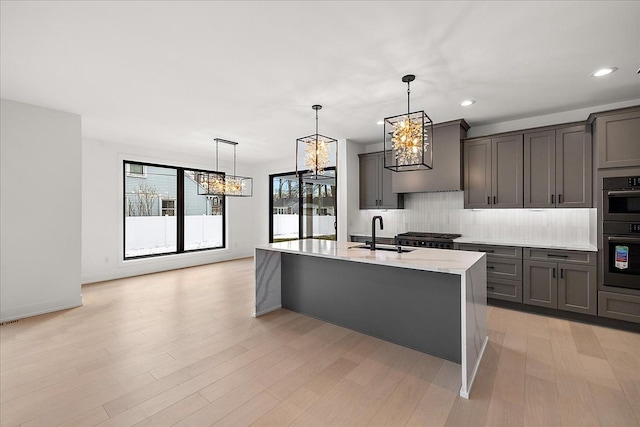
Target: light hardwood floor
182,348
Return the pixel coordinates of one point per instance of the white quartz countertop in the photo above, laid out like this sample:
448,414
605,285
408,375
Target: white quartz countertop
436,260
543,245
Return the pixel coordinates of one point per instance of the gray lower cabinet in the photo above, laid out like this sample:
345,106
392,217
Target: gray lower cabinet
493,172
617,139
375,184
619,306
558,168
509,290
569,284
540,284
504,270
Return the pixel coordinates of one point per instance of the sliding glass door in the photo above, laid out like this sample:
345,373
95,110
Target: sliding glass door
302,208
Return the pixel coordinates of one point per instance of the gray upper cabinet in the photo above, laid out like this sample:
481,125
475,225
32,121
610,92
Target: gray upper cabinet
493,173
477,174
446,174
540,169
574,168
506,168
369,191
375,184
558,168
618,139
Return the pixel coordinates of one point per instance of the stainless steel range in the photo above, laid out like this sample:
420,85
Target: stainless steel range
426,240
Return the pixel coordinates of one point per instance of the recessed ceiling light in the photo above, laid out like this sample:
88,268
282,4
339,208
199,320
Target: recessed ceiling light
379,122
467,102
603,71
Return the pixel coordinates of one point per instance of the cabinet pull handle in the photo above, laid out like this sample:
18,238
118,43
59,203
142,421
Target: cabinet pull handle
494,200
553,274
557,256
562,273
488,200
490,267
552,199
490,287
559,198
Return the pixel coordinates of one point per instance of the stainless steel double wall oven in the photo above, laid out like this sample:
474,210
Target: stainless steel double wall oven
621,231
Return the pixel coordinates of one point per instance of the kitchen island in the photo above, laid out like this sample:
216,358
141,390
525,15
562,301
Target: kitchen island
432,300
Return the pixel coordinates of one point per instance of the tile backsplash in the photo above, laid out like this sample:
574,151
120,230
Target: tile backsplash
444,212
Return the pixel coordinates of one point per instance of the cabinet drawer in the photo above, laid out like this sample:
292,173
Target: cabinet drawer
504,268
619,306
509,290
558,255
493,250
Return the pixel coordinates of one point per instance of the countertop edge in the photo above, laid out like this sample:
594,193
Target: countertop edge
476,241
386,263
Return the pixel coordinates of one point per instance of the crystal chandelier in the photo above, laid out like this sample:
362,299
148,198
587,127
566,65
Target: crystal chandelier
315,153
409,138
221,184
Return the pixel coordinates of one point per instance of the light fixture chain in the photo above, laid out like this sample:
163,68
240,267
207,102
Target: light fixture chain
408,99
234,160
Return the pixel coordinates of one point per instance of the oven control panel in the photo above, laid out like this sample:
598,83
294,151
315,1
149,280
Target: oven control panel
621,183
634,228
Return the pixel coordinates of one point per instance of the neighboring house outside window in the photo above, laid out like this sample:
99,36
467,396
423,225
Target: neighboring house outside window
135,170
152,203
168,207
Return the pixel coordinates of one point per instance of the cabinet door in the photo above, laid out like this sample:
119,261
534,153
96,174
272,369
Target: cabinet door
573,168
506,168
577,288
369,181
540,169
387,199
477,174
618,141
541,284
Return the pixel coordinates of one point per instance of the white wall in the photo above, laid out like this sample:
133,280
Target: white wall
102,222
40,216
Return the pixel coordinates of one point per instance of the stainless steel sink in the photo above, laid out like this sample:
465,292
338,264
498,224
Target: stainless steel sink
388,248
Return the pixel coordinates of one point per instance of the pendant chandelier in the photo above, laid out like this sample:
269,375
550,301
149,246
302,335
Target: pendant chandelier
409,138
315,153
221,184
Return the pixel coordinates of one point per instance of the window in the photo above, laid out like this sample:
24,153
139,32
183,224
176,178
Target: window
166,211
302,207
168,207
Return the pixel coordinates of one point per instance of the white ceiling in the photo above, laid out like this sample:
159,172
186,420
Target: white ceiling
174,75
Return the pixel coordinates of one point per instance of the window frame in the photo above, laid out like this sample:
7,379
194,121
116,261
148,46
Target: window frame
178,209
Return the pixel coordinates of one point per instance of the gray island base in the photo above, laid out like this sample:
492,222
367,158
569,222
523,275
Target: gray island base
431,300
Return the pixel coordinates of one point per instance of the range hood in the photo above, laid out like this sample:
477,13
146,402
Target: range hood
447,173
